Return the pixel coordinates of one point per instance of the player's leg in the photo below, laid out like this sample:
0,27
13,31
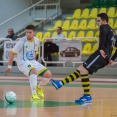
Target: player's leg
44,80
46,75
33,83
91,65
59,83
85,84
28,69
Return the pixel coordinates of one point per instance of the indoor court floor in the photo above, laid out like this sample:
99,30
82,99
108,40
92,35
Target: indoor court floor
59,103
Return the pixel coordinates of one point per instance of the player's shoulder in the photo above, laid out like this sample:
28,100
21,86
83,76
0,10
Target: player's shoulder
23,39
105,27
36,39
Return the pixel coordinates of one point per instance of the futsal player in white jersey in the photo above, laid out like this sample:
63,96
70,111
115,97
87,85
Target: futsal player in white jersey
26,49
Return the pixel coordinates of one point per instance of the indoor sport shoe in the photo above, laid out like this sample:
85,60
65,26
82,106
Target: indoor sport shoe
35,97
56,83
39,92
84,98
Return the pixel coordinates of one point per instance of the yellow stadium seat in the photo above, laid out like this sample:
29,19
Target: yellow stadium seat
102,10
95,47
85,13
76,15
81,34
115,25
93,13
111,22
82,25
111,12
66,25
74,25
54,34
71,35
97,35
92,25
86,51
46,35
39,36
64,33
57,24
90,34
55,54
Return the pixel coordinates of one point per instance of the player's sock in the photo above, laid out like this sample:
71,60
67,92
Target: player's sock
71,77
86,84
33,82
43,82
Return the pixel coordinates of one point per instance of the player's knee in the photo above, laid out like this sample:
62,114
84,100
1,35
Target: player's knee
34,71
82,70
47,74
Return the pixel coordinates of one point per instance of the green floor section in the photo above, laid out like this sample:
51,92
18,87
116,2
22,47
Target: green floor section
67,85
40,104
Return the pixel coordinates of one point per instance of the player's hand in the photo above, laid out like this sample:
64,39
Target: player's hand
111,62
8,70
48,40
103,53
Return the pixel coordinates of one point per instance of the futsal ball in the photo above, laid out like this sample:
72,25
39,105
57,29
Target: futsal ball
10,96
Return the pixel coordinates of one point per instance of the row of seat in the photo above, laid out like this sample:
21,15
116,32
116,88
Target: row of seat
70,36
103,3
81,25
89,49
86,13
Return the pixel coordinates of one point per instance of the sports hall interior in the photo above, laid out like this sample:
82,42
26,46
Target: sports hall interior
78,21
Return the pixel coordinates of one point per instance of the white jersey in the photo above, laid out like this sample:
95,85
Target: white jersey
25,49
59,36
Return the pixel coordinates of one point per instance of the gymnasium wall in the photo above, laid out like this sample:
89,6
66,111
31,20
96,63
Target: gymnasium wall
9,8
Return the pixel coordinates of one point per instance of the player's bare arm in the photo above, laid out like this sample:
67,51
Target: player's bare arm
103,53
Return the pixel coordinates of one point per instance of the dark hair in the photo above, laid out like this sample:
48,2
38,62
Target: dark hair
103,16
30,27
60,28
11,29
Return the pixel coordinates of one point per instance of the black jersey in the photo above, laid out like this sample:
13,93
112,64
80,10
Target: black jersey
106,40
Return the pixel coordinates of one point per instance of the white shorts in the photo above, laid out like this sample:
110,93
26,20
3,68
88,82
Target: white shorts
27,66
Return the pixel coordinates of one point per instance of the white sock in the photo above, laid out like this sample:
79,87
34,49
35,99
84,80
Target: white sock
33,82
43,82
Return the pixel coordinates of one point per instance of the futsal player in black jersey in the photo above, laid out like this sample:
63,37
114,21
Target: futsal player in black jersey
97,60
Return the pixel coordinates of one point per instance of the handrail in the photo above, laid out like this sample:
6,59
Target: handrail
48,4
5,39
21,12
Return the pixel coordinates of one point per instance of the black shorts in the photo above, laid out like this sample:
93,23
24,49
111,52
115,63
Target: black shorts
95,62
